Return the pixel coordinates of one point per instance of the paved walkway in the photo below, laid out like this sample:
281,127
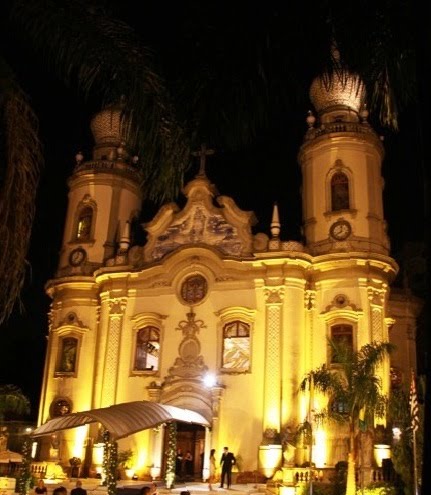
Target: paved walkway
198,488
93,487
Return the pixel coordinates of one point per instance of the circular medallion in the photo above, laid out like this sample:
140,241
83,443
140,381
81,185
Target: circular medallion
77,256
340,230
60,407
194,289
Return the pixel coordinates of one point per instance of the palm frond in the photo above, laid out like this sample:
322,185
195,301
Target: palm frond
12,400
22,159
107,60
386,60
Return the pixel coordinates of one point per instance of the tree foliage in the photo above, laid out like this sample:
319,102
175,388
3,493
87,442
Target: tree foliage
402,448
352,382
13,402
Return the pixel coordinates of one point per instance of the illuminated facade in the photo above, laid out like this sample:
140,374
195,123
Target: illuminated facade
208,315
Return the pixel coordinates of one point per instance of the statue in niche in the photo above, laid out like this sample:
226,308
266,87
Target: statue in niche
68,355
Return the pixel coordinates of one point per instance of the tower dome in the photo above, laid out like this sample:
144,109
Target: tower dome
110,131
339,89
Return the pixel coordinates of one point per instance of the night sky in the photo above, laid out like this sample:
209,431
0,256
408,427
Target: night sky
244,175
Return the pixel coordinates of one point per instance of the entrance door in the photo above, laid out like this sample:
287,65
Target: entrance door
190,439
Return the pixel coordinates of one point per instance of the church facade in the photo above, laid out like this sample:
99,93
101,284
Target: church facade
211,317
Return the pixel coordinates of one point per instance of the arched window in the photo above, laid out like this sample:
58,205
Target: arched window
342,337
83,227
68,355
147,349
236,346
340,192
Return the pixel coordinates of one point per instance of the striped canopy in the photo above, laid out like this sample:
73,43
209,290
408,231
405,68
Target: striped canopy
122,420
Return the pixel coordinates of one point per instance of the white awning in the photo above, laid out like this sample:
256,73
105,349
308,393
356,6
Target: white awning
9,456
122,420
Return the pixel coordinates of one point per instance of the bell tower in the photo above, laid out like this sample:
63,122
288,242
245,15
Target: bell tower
104,197
341,159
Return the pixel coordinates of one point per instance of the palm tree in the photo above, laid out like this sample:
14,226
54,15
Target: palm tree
352,386
13,402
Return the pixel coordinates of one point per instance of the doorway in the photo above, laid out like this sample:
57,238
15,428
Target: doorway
190,438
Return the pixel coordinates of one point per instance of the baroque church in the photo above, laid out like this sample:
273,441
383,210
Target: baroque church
214,318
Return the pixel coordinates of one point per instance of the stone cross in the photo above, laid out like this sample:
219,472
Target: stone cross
203,153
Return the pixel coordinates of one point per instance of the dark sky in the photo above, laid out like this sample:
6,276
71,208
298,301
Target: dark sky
64,128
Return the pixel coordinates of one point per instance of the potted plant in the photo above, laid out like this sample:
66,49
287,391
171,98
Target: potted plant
124,462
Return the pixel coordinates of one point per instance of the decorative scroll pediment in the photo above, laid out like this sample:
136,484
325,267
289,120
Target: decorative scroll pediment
222,225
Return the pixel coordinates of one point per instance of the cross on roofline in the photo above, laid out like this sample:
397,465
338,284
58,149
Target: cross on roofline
203,153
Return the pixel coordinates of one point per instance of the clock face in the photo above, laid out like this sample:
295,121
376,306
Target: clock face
340,230
77,256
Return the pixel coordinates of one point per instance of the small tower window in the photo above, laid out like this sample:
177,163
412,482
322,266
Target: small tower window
236,346
85,220
341,336
340,192
147,349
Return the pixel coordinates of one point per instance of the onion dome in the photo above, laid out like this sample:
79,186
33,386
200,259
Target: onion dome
340,88
110,133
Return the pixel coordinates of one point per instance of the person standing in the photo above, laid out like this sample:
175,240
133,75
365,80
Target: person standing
226,463
60,490
212,477
41,488
188,464
78,490
179,464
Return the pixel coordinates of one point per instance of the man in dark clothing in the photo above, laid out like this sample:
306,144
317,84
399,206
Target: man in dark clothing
226,463
78,490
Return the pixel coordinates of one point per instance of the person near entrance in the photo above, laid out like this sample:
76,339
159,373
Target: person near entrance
212,476
226,463
179,464
188,464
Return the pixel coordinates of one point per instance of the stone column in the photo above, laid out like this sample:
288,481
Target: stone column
109,386
216,395
272,392
379,331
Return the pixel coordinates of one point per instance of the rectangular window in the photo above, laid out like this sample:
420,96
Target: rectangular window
236,346
147,349
342,337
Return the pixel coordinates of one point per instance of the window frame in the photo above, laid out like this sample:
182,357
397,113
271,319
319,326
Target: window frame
337,324
332,187
139,322
151,329
61,337
229,316
87,203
